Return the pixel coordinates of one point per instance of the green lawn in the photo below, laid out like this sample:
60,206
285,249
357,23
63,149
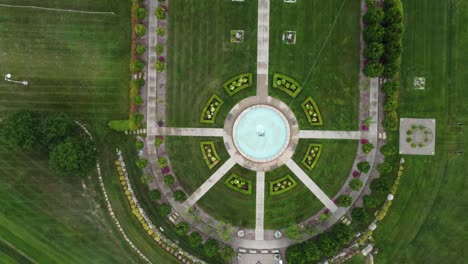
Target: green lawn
325,54
76,63
427,221
201,57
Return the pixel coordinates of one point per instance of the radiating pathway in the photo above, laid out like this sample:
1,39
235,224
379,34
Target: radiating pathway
329,134
263,42
260,206
185,131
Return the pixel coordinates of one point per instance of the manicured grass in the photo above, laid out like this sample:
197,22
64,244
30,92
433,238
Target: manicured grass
427,221
290,207
334,165
78,64
201,57
334,71
228,205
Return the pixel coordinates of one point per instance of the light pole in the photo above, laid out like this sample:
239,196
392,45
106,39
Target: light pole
8,79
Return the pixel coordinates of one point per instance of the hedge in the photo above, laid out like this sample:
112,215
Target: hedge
210,156
239,184
282,185
119,125
210,110
238,83
312,112
312,155
286,84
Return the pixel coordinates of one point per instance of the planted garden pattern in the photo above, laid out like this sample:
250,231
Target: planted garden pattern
286,84
312,112
282,185
312,155
238,83
210,156
239,184
210,110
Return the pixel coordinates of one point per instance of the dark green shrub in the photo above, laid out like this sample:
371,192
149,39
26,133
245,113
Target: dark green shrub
159,49
360,215
295,254
140,49
373,51
380,185
138,100
179,196
21,129
136,66
370,3
384,168
373,69
388,150
393,3
141,13
392,51
390,121
139,144
182,228
393,33
373,16
341,233
140,29
370,201
363,166
211,247
141,163
155,194
169,180
164,210
327,246
393,15
195,239
227,253
311,251
391,69
139,82
160,12
390,104
374,33
367,148
344,200
390,88
355,184
73,157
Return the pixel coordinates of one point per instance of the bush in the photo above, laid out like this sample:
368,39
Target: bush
344,200
160,31
169,180
390,88
140,29
393,3
21,129
392,51
141,163
393,33
360,215
393,15
390,104
374,33
179,196
146,178
380,185
160,66
390,121
140,49
311,251
373,51
73,157
370,201
388,150
164,210
160,12
293,232
342,233
138,100
373,16
384,168
195,239
327,245
141,13
211,247
54,128
139,144
136,66
227,253
367,148
135,121
363,166
139,82
370,3
295,254
182,228
159,49
391,69
355,184
155,194
158,141
373,69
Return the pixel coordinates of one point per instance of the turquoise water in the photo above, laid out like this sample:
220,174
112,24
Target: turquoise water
261,133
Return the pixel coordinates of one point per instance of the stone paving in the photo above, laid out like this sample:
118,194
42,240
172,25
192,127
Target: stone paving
328,134
185,131
263,42
260,206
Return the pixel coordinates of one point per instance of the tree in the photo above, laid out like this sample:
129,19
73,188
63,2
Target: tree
355,184
326,245
393,32
360,215
373,69
374,33
342,233
388,150
390,104
155,194
390,121
73,156
140,29
295,254
391,88
164,209
169,180
179,196
54,128
373,16
363,166
392,51
20,129
227,253
182,228
373,51
369,201
391,69
380,185
312,253
211,247
393,15
293,232
195,239
384,167
344,200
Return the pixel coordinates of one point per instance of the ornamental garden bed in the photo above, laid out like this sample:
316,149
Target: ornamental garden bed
239,184
312,112
312,155
238,83
210,156
286,84
210,110
282,185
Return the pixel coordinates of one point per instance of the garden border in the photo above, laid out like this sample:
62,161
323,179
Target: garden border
276,76
311,145
249,83
288,188
317,110
215,113
213,164
230,186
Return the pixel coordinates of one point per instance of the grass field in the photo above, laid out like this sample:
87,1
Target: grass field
427,221
201,57
325,58
76,63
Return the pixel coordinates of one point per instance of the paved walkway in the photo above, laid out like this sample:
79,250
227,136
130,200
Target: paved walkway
263,42
328,134
260,206
311,185
152,56
185,131
208,184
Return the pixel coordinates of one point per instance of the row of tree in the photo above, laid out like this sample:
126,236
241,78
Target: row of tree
71,152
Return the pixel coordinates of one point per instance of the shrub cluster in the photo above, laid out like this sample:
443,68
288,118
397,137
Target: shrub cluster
373,36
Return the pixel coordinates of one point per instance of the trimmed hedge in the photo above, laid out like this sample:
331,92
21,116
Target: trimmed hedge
312,112
312,155
210,156
286,84
239,184
238,83
210,110
119,125
282,185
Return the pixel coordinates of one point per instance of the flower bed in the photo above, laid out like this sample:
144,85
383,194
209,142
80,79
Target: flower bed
238,83
312,112
209,153
286,84
210,110
239,184
312,155
282,185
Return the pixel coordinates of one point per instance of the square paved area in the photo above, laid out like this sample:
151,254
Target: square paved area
417,136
